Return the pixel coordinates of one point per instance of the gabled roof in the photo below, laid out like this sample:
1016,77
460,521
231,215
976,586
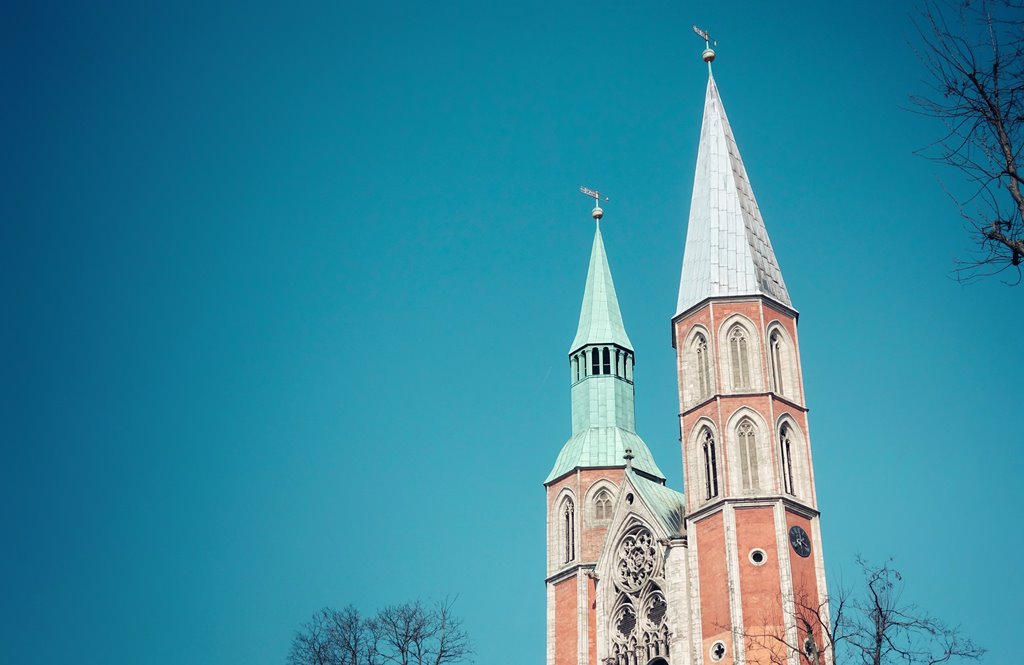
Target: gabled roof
728,252
603,447
600,318
667,505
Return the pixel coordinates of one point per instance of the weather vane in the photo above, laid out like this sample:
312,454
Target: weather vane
596,213
709,53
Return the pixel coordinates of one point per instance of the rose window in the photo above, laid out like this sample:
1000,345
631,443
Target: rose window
637,559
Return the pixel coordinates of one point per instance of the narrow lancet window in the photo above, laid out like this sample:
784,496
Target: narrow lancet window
739,357
786,453
747,435
775,352
569,530
710,465
603,506
595,362
607,361
703,366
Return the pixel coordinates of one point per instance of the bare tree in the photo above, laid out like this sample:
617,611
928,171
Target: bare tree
973,51
416,635
868,625
315,642
409,634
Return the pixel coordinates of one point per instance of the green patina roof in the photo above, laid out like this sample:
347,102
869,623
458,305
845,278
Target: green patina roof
668,505
604,446
600,318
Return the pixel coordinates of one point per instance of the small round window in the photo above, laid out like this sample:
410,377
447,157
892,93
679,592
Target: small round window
717,651
629,498
758,557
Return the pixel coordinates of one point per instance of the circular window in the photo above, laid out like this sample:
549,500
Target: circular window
758,557
717,651
629,499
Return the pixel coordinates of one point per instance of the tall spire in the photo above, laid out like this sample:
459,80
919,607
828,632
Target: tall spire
728,252
600,318
601,375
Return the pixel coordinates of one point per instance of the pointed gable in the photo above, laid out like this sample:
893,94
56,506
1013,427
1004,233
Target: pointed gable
667,505
727,252
600,318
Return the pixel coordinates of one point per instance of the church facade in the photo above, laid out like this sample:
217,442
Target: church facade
730,570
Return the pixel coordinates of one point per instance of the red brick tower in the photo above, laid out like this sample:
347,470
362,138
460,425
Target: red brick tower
583,485
755,556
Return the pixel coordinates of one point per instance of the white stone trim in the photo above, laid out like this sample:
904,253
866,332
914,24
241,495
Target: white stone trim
582,617
785,577
589,519
688,370
735,593
551,624
792,387
696,648
678,600
693,459
819,572
764,460
754,354
555,535
801,476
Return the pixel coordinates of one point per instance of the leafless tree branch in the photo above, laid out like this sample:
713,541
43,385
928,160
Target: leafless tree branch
869,625
409,634
973,54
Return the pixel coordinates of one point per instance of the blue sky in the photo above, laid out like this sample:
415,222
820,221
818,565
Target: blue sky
290,290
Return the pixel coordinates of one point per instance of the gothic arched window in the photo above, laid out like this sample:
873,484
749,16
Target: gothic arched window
603,506
703,367
710,464
607,361
786,455
746,433
595,361
775,355
568,530
739,356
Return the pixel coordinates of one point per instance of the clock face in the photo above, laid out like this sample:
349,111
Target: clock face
800,541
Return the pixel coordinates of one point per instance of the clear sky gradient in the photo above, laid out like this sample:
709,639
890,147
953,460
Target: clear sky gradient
289,292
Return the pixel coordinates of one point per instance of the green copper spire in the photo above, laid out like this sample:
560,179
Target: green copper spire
601,374
600,318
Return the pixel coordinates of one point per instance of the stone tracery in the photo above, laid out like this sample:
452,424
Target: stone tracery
639,626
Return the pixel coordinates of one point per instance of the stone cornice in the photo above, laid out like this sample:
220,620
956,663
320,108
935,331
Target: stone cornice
569,572
751,501
766,300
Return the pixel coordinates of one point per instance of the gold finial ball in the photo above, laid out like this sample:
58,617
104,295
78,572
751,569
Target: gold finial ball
708,55
597,213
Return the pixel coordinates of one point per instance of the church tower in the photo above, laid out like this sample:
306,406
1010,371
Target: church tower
730,571
584,482
752,520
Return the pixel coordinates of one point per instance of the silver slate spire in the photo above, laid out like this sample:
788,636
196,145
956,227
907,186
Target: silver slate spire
728,252
601,374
